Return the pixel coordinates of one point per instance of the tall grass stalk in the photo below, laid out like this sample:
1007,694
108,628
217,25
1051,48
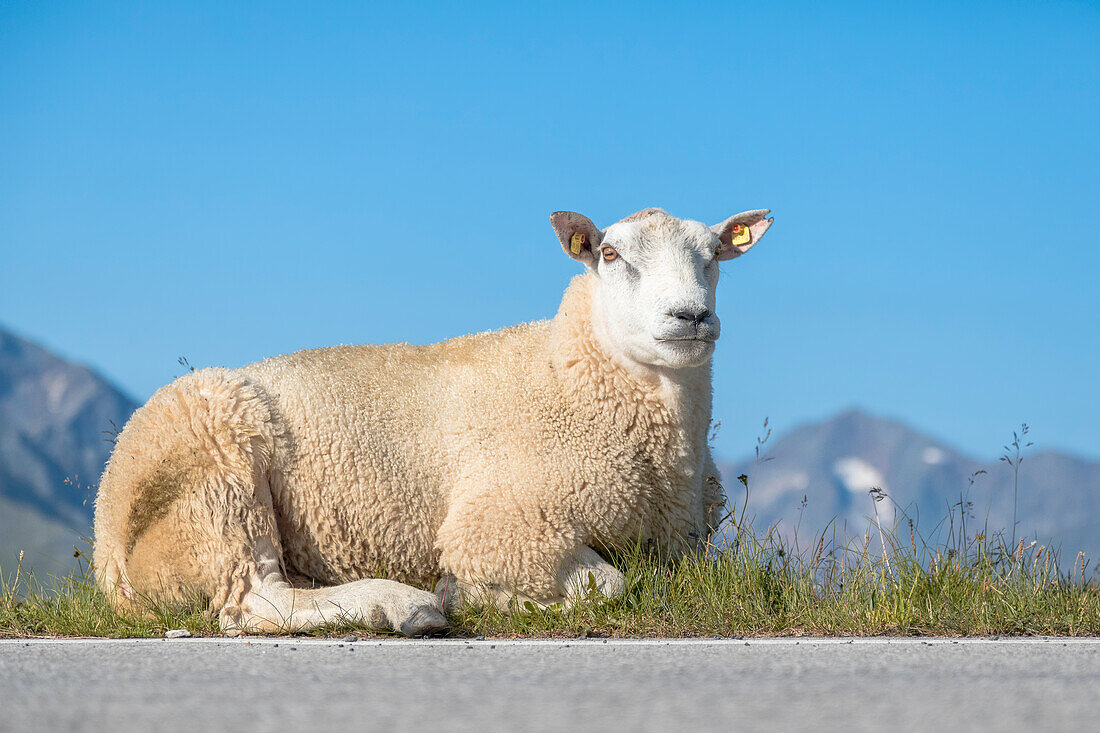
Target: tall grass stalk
1013,456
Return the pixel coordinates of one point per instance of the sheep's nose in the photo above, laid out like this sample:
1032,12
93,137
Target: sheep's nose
691,316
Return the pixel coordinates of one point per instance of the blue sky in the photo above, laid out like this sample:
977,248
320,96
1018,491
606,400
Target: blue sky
229,183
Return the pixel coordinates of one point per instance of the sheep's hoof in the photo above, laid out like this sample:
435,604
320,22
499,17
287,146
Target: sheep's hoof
424,621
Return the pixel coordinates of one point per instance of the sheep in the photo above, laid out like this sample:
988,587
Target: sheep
383,485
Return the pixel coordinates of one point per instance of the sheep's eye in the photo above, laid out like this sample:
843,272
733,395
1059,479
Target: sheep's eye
609,254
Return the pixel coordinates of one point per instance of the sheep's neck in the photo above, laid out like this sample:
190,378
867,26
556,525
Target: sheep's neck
624,392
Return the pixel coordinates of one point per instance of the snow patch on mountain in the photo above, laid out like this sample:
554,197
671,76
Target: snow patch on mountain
933,456
776,485
857,475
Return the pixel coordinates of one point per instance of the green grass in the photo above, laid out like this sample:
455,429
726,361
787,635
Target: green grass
73,606
758,588
753,586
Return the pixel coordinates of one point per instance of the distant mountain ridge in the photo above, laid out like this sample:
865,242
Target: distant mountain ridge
834,463
53,415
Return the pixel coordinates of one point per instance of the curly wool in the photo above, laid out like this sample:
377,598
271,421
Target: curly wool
491,457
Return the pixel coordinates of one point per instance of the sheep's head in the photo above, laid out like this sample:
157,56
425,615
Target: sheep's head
655,279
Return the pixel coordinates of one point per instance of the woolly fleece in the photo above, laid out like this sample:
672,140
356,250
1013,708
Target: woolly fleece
496,457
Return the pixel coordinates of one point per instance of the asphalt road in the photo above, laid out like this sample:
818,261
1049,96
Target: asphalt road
443,685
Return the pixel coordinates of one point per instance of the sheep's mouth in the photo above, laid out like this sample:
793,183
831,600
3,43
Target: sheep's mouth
689,340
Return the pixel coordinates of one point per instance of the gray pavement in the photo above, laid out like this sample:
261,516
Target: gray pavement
645,685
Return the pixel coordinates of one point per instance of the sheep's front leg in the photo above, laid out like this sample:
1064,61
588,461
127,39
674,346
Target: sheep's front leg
582,569
586,568
505,543
499,544
454,593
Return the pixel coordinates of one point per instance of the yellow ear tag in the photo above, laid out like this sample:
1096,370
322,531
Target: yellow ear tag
576,243
741,235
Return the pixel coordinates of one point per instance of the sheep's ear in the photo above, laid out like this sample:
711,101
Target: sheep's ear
580,238
740,232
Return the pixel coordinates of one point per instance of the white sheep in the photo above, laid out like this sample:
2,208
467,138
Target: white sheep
496,463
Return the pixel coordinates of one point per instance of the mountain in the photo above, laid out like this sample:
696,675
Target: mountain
834,463
53,415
